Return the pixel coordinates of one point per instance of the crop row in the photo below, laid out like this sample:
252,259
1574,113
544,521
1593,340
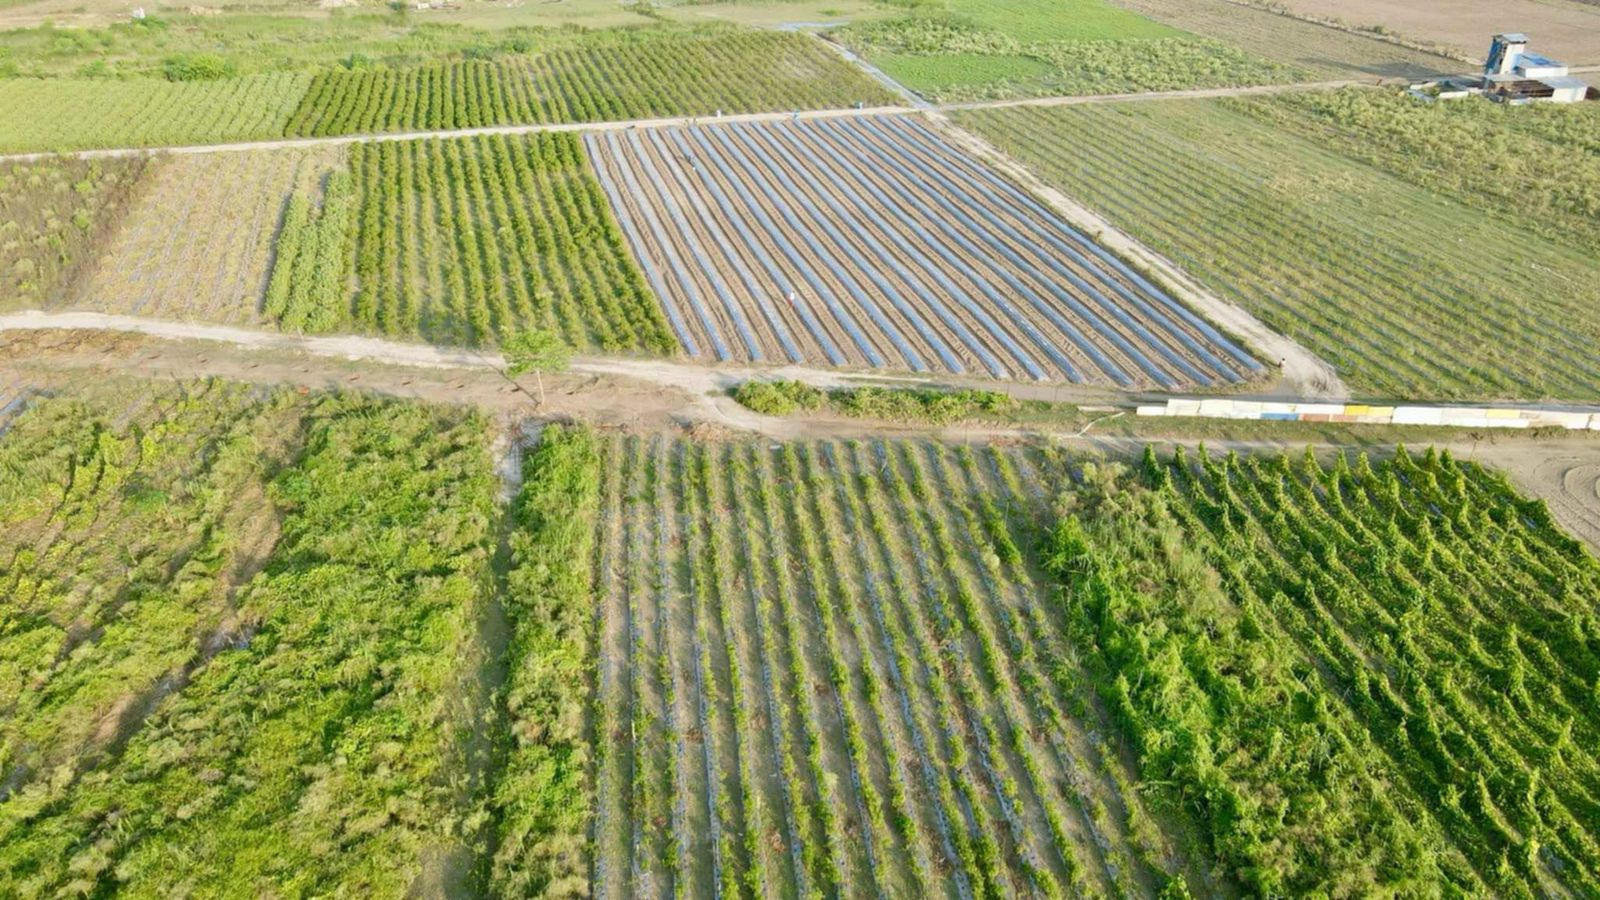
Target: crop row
873,242
192,678
1401,658
1343,272
818,696
668,76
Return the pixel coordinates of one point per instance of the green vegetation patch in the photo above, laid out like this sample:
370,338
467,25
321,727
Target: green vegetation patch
251,630
607,78
1362,679
289,729
55,215
1059,20
963,74
1409,292
542,799
952,58
784,398
80,113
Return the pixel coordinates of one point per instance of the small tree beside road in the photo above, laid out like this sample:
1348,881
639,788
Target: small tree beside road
537,352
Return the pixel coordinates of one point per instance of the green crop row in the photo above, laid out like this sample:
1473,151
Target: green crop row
1364,679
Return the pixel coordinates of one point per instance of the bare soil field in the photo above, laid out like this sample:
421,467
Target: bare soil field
1566,31
1322,51
874,243
198,242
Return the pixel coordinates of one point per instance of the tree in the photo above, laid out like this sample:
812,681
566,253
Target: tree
538,352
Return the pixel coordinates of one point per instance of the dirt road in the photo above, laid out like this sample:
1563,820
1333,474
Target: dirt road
646,395
625,125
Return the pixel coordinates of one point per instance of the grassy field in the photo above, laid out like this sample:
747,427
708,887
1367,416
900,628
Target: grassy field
1408,292
1361,679
1322,53
971,50
77,113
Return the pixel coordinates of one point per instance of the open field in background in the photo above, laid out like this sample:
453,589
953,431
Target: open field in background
1323,53
1362,678
966,50
1406,292
78,113
463,241
55,217
198,241
871,242
1568,31
824,667
1538,164
608,76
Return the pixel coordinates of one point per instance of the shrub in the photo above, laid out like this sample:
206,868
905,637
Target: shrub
196,67
778,398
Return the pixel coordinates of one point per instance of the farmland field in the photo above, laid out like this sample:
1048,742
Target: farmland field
873,243
823,668
1364,678
75,113
1324,53
1408,292
198,241
462,241
670,75
55,216
976,51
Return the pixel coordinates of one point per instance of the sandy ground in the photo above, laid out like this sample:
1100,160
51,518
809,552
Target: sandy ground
1567,478
1566,31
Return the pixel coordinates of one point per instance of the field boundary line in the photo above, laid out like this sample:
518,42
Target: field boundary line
1142,96
670,122
875,73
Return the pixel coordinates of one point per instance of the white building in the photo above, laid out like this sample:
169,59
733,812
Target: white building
1513,75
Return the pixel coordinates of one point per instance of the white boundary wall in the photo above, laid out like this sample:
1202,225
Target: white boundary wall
1368,414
